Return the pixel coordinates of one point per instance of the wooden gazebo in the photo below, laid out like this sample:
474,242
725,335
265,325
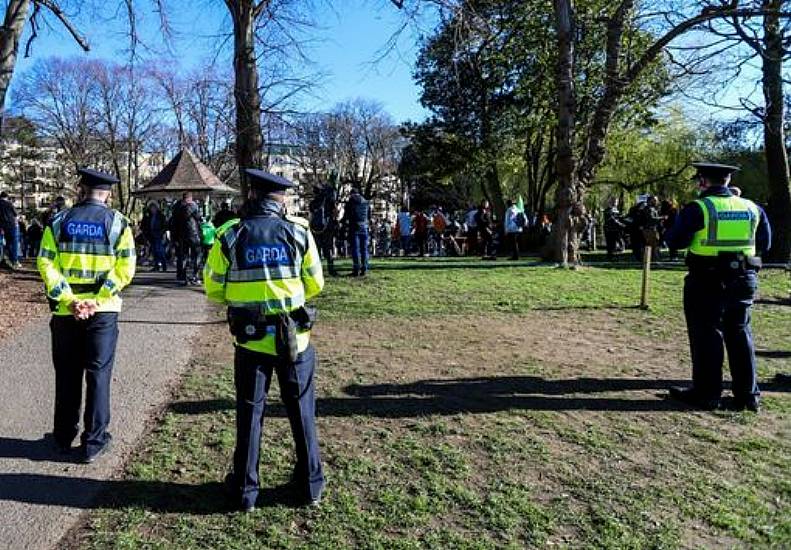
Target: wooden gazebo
186,173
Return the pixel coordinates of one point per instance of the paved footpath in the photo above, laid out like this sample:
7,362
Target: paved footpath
41,495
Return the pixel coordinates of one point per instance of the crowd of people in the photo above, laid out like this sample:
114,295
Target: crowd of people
429,232
20,236
179,233
645,224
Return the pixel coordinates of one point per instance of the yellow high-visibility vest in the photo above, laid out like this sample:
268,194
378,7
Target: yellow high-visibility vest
87,252
270,264
729,225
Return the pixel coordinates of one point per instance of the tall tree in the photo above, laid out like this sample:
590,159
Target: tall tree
772,48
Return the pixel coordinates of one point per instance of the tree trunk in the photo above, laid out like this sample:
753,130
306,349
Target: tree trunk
557,247
248,101
10,33
779,207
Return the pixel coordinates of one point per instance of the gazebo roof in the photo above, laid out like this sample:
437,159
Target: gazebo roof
186,173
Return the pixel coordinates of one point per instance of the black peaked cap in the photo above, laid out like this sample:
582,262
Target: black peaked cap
713,170
266,181
96,179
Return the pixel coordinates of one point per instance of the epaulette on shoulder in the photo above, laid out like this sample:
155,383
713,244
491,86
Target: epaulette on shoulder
226,226
299,221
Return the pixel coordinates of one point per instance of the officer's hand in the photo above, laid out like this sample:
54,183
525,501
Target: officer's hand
83,309
74,307
88,308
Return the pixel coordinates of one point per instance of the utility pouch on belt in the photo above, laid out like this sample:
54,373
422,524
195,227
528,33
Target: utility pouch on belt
245,324
286,338
249,324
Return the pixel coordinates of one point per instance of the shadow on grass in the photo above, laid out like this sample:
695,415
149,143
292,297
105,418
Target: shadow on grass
773,354
773,302
481,395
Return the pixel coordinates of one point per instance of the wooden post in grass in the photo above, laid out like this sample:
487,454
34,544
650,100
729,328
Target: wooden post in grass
646,277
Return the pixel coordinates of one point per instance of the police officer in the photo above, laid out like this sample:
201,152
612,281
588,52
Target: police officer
265,267
87,257
725,236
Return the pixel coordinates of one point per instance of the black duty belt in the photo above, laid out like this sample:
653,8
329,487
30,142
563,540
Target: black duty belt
91,288
724,262
250,325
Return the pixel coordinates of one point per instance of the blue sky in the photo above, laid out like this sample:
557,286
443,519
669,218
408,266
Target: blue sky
347,43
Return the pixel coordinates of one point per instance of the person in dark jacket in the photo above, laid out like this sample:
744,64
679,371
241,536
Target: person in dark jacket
35,232
668,212
224,215
186,234
485,225
153,227
357,215
613,229
724,236
9,225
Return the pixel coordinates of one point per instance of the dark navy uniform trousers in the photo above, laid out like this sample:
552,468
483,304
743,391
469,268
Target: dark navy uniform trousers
83,350
252,377
717,305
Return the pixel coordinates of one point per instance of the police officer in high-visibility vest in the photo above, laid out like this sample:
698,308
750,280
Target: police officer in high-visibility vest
87,257
725,236
264,268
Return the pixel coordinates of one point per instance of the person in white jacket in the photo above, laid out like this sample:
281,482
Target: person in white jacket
512,229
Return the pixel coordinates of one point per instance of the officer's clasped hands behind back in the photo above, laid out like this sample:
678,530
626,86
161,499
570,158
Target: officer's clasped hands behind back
87,257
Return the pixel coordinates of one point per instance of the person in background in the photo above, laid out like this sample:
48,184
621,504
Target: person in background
9,225
421,223
22,237
668,212
439,222
613,229
404,225
208,233
485,226
186,234
153,227
357,214
512,228
35,232
224,215
472,228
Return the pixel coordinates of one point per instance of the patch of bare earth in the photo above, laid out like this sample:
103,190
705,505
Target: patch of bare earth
585,399
21,301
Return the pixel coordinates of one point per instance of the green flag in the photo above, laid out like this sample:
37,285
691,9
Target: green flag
520,204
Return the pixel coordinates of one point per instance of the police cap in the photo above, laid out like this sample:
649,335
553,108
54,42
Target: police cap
264,181
95,179
711,170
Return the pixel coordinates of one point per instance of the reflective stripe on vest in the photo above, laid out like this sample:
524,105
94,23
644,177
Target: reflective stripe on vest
86,240
729,225
264,275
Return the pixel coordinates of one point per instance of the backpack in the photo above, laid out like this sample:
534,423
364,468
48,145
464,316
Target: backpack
520,220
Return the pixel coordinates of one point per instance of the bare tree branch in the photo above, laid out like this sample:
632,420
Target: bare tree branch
33,28
53,6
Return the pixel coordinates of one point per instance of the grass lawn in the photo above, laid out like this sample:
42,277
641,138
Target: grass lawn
480,405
